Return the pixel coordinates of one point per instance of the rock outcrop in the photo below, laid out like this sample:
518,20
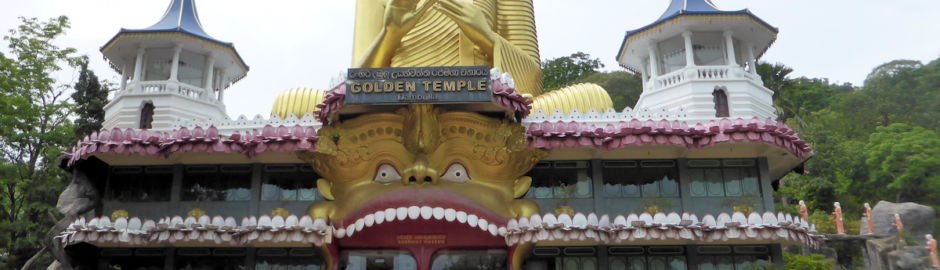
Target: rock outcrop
918,219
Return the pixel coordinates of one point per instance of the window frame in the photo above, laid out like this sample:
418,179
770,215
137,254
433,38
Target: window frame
749,178
636,170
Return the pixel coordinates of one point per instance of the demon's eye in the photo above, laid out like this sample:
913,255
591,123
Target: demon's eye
456,173
386,174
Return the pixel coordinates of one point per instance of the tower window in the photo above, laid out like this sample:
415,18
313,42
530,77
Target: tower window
146,116
721,103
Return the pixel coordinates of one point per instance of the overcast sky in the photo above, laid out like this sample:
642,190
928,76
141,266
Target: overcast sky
292,44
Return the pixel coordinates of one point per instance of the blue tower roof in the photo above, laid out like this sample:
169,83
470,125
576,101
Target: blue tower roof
181,16
689,7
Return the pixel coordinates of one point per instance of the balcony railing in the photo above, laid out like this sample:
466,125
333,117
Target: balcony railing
700,73
167,87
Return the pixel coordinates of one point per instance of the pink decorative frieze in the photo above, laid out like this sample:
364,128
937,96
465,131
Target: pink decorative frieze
601,133
143,142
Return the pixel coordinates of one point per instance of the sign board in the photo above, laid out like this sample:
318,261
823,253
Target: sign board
418,85
421,239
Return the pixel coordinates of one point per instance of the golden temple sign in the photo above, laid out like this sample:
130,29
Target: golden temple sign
419,85
421,239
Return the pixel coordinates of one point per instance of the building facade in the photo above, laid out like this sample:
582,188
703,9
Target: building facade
437,156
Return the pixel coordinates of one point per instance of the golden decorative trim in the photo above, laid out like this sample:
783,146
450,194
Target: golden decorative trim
280,212
165,35
119,214
695,18
196,212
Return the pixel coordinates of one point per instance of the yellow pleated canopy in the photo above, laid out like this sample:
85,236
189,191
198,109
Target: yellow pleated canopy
581,96
297,101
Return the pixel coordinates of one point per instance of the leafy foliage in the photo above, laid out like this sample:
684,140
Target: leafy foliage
562,71
624,88
813,262
34,131
90,97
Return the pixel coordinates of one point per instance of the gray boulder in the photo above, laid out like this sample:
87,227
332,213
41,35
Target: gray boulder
917,219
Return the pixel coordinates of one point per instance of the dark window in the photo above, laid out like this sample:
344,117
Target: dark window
741,258
140,184
724,178
279,258
388,259
146,116
647,258
553,179
493,259
210,258
560,258
289,183
721,103
217,183
125,258
636,179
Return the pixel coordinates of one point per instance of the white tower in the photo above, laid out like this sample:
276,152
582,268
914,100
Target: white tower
170,71
702,60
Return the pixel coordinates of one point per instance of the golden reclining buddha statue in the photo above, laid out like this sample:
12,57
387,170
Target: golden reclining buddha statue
376,164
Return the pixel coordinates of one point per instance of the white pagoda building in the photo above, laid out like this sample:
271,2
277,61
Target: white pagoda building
698,63
171,72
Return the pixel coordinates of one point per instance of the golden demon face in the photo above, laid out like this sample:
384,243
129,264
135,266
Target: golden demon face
423,156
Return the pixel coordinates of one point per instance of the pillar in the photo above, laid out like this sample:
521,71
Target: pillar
643,73
766,188
175,67
752,61
689,58
685,186
176,191
139,66
597,181
729,46
207,74
255,201
654,68
221,84
123,76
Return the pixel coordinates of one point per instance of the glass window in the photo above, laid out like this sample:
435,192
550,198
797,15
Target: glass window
469,259
158,63
192,68
377,260
217,183
289,182
730,178
556,178
283,259
635,179
142,259
146,116
708,48
722,257
210,259
721,103
671,54
648,258
140,184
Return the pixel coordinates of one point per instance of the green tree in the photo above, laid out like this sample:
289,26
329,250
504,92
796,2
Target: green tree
34,131
623,87
90,97
563,71
906,161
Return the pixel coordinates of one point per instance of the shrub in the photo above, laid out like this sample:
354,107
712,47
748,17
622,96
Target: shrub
813,262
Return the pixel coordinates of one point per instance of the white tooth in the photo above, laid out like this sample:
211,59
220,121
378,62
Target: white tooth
360,224
501,231
340,233
461,216
390,214
414,212
402,213
350,229
493,230
438,212
379,217
426,212
450,214
483,224
472,220
370,219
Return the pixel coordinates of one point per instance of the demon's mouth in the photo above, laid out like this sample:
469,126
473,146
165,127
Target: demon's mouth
421,204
